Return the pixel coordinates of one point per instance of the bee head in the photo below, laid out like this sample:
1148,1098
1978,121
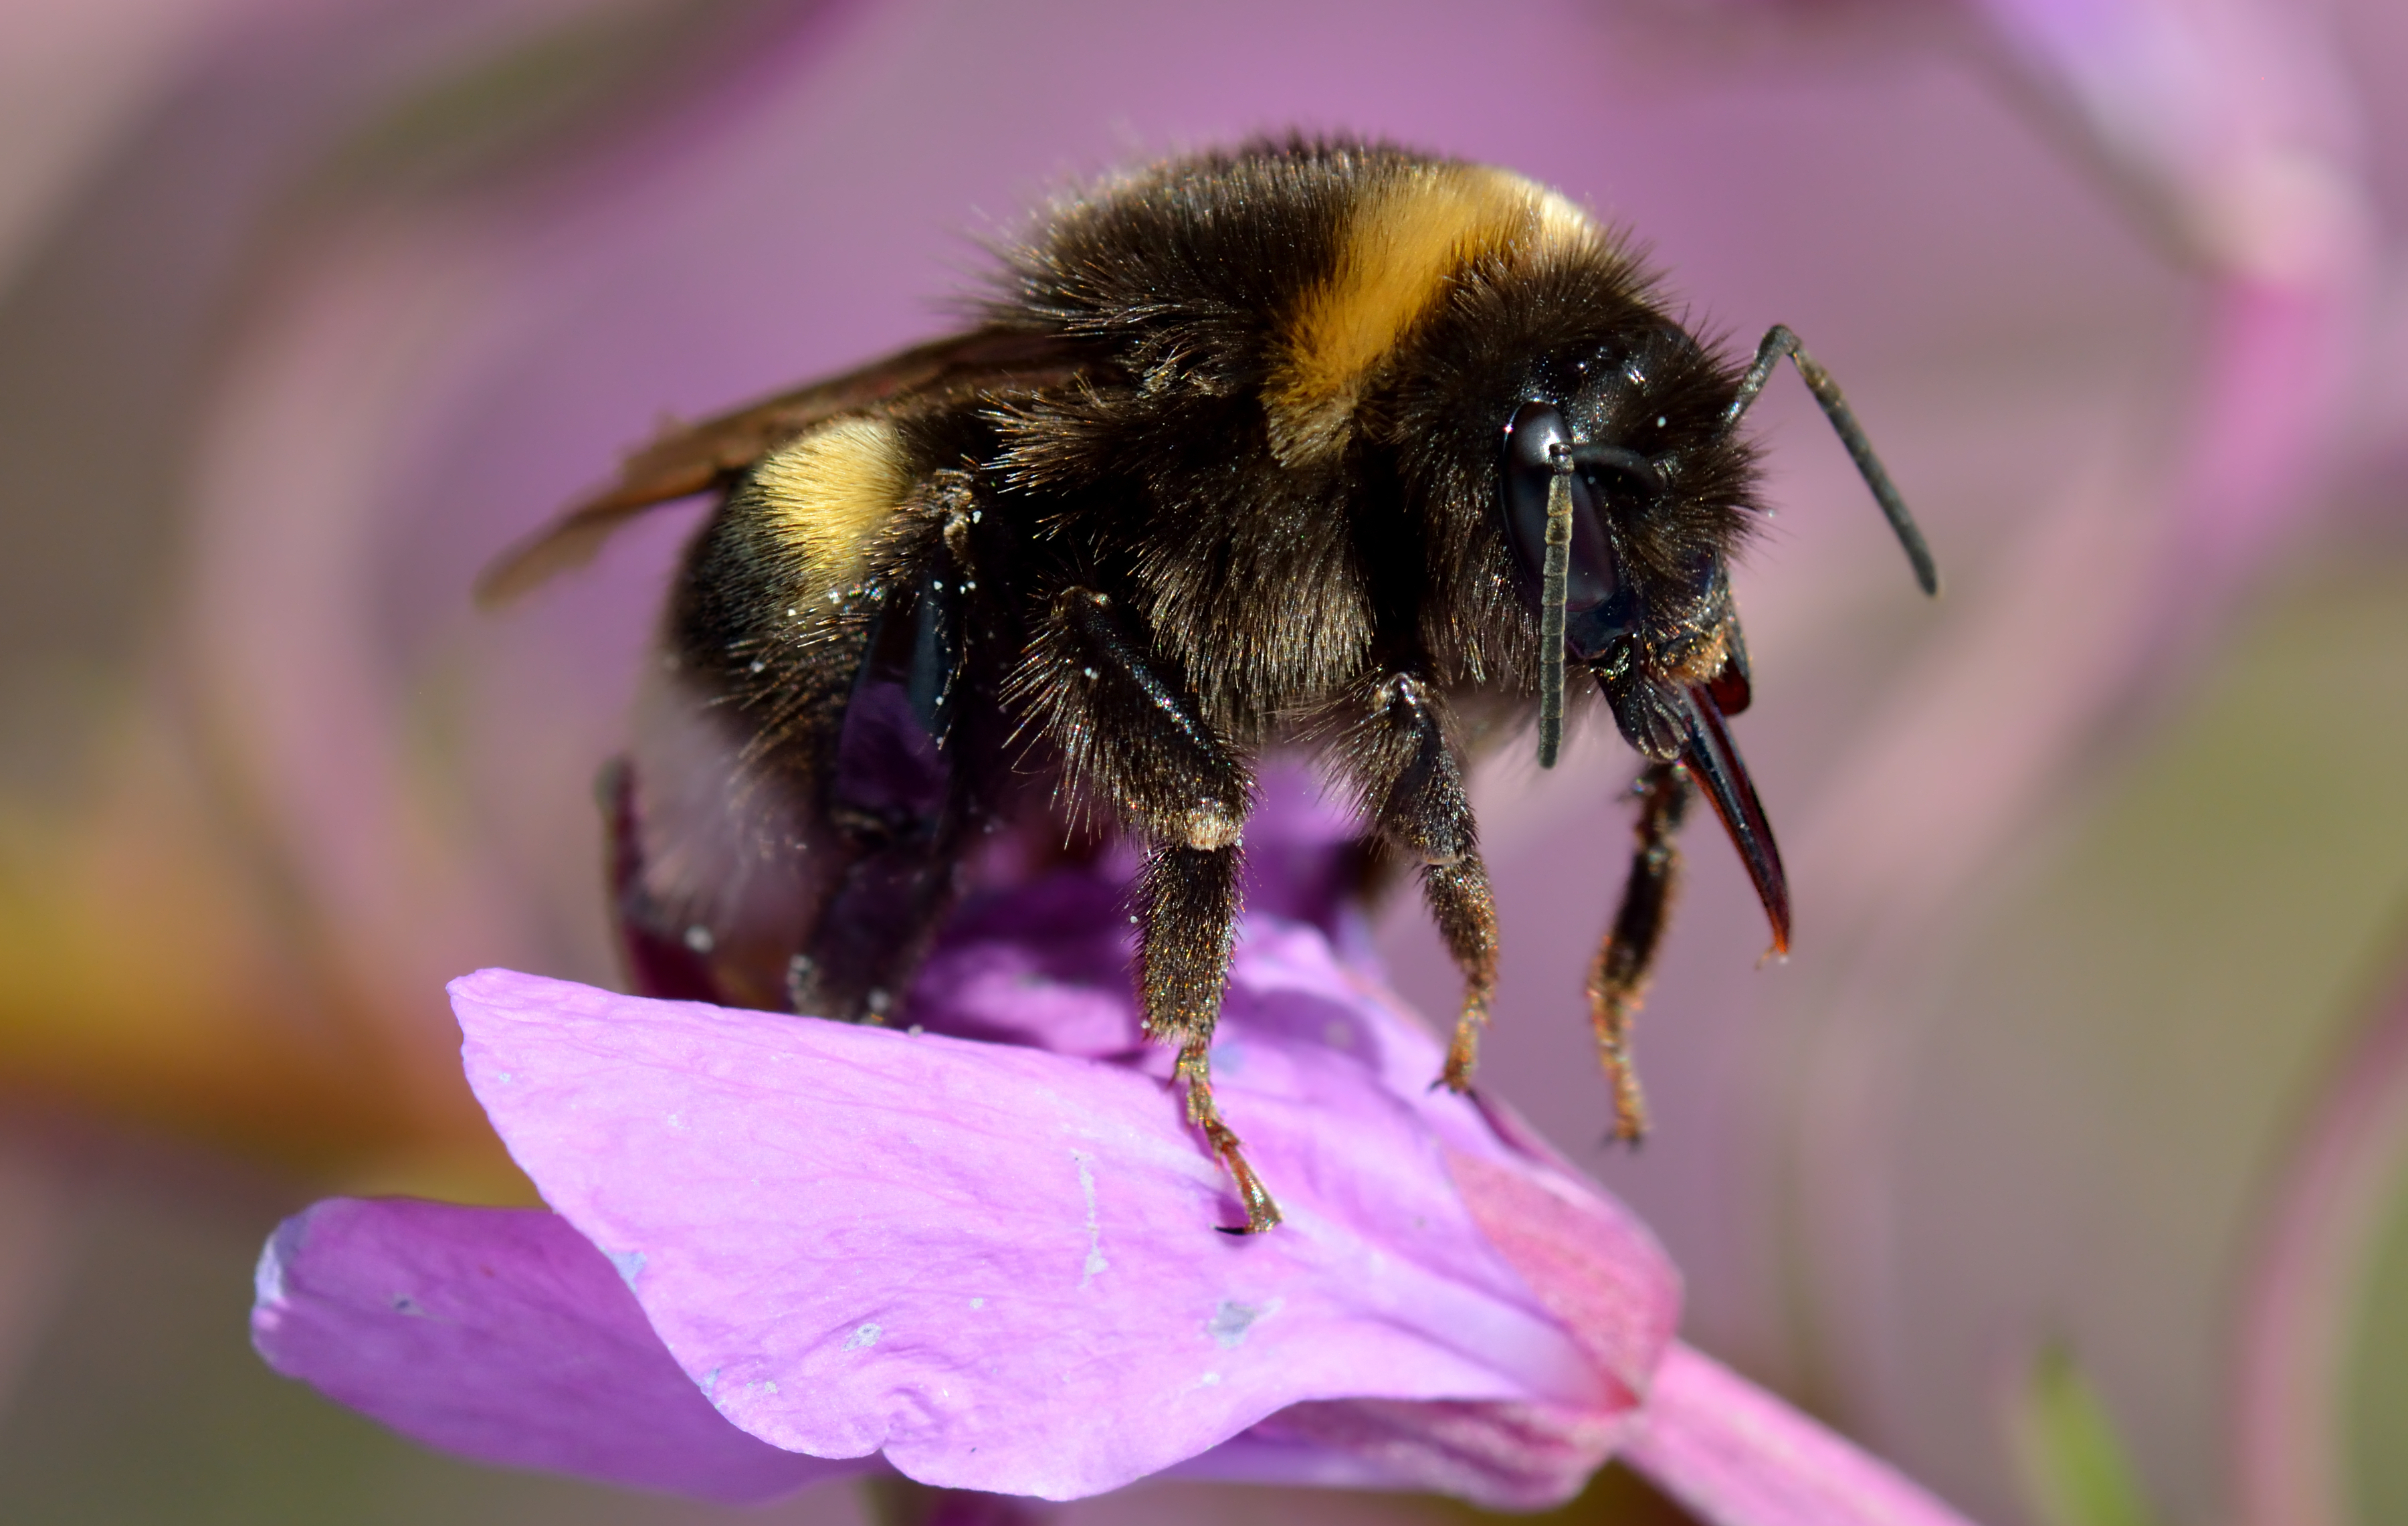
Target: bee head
1621,492
1622,497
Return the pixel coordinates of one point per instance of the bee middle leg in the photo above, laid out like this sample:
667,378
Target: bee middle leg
1411,788
1625,961
1132,737
1187,904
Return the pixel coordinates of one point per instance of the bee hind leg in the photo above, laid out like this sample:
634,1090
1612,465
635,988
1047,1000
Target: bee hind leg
897,807
1625,961
877,927
1412,788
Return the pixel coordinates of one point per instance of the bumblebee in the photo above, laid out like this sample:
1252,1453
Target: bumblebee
1311,443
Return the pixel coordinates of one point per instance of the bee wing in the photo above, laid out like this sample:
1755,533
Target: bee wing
696,458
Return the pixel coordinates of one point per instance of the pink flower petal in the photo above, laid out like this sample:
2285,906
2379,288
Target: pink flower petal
1591,1261
501,1334
962,1253
996,1265
1593,1266
1506,1455
1734,1455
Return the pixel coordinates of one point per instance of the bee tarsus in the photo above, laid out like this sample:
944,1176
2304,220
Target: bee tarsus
1196,1071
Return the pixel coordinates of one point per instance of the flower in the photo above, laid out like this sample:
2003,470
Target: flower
981,1251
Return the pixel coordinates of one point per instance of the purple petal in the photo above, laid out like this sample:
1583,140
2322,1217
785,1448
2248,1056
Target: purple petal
1044,962
502,1335
1043,965
1506,1455
1593,1266
998,1266
1734,1455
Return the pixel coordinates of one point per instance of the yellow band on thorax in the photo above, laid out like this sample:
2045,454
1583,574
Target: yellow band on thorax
1408,235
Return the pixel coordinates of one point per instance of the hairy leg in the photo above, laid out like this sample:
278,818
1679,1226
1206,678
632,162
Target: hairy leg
1625,962
1131,738
1187,902
1404,771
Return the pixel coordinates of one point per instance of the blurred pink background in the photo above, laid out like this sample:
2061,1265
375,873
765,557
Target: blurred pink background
2078,1118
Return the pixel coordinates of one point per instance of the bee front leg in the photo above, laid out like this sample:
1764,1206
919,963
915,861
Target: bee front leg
1617,982
1411,789
1131,735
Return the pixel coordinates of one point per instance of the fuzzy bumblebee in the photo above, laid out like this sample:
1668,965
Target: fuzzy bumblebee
1315,444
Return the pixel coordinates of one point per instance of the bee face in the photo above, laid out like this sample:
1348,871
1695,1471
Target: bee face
1637,433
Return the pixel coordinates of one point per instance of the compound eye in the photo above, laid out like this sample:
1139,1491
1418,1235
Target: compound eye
1538,444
